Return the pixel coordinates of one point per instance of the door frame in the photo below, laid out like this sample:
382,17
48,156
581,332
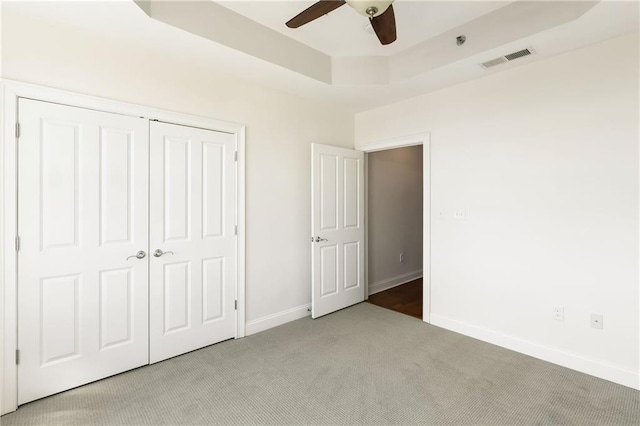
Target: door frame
423,139
10,92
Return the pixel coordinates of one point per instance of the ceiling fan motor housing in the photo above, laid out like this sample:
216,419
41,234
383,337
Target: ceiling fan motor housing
370,8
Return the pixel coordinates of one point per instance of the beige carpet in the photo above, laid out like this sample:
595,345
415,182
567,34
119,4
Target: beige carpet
362,365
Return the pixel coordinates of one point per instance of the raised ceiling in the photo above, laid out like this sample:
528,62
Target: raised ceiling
343,32
371,81
494,28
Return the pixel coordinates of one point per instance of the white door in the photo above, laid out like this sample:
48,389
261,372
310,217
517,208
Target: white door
82,214
337,223
192,240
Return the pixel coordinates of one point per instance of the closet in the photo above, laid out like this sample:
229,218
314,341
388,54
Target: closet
127,247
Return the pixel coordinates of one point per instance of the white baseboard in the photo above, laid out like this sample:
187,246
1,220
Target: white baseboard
279,318
580,363
383,285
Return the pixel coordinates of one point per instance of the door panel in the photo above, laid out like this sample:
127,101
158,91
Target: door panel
177,303
59,316
352,184
328,192
82,306
213,289
177,171
338,220
213,168
116,168
192,285
116,309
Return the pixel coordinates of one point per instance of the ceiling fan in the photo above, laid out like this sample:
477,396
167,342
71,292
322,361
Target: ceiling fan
379,12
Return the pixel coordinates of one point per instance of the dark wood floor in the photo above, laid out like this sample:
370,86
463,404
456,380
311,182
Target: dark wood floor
406,298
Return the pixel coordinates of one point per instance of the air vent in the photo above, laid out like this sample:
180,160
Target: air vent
516,55
507,58
494,62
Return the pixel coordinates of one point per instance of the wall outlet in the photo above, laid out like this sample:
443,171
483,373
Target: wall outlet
558,313
596,321
401,257
459,214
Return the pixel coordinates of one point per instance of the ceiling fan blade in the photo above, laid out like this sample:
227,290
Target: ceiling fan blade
385,26
314,12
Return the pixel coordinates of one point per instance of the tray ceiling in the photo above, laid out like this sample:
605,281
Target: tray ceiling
367,81
343,32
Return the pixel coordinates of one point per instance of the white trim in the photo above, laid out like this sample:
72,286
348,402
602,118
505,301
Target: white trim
366,227
423,139
241,237
48,94
419,139
557,356
392,282
9,377
11,91
2,272
279,318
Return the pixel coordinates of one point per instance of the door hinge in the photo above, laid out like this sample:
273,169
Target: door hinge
236,230
17,130
17,242
236,305
235,156
17,356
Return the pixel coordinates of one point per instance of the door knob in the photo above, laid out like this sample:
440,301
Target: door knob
159,252
139,255
318,239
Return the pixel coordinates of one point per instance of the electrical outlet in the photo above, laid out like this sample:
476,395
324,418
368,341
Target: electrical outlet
558,313
459,214
596,321
401,257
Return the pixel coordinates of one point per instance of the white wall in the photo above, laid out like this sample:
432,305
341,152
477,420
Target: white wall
394,199
280,129
544,158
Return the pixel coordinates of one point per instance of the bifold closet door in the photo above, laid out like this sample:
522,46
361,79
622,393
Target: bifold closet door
192,239
82,217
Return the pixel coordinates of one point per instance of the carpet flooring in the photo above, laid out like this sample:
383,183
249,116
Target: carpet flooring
361,365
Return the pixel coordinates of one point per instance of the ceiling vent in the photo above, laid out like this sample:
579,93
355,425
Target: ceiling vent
507,58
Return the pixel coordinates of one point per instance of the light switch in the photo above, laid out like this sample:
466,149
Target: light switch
440,214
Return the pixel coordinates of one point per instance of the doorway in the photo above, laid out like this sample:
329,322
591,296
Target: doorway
394,232
423,140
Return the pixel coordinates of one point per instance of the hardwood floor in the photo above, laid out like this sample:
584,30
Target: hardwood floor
406,298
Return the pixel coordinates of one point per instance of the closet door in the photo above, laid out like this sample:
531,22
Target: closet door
192,240
82,218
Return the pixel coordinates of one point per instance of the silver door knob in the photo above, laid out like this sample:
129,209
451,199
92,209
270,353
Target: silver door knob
159,252
318,239
139,255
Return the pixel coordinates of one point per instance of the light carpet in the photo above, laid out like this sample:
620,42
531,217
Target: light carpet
362,365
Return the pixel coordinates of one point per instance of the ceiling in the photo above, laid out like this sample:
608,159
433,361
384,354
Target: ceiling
370,83
343,32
